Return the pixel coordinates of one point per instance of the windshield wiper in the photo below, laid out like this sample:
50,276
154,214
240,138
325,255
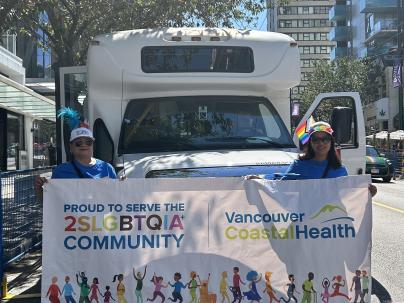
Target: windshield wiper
246,139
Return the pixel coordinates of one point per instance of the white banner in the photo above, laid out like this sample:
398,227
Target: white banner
193,240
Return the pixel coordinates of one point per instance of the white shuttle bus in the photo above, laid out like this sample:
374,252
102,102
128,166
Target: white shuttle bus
190,102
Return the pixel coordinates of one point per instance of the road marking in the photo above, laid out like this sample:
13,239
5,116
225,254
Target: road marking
401,211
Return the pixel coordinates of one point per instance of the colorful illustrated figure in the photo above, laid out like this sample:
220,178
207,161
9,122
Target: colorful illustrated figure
365,285
339,282
308,288
223,287
253,294
158,284
54,291
107,295
177,288
325,295
120,288
68,291
192,286
82,274
236,296
291,289
205,295
268,288
356,281
236,285
94,290
139,284
84,288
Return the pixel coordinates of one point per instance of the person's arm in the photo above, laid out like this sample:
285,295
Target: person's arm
38,186
144,273
293,171
353,279
111,172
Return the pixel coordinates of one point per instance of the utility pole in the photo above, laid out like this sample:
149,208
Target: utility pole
400,54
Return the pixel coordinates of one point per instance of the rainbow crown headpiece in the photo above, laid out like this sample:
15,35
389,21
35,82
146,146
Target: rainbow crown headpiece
320,127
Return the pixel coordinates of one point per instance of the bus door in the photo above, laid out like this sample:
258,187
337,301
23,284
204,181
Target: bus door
343,110
73,94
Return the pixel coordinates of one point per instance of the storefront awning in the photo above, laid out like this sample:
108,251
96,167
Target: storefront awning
17,97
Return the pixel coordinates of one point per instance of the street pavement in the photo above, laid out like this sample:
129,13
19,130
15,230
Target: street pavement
24,277
388,238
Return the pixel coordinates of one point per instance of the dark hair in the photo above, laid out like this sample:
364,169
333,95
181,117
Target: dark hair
332,157
117,276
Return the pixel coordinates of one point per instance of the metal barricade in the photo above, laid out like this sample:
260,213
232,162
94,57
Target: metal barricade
20,213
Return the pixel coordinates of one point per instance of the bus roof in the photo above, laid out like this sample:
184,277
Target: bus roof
118,56
187,34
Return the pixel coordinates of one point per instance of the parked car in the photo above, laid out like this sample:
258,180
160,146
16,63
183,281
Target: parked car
377,165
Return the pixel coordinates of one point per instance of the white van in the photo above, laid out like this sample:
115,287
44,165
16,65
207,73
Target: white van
189,102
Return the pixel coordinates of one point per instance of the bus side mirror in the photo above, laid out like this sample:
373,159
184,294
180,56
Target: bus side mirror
103,145
341,123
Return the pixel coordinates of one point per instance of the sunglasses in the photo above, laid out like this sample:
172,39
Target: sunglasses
88,142
325,139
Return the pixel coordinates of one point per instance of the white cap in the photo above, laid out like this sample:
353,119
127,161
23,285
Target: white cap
81,132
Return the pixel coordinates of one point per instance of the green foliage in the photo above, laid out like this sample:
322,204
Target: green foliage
343,75
71,24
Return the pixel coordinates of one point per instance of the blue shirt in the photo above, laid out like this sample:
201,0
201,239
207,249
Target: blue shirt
177,286
68,290
99,170
312,169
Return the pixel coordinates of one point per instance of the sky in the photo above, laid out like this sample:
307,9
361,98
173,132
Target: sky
261,23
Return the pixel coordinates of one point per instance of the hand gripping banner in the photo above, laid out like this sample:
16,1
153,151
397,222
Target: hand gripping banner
207,240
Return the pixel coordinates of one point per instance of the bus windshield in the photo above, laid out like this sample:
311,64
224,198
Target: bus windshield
200,123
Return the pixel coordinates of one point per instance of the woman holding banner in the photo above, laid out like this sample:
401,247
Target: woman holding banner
83,164
320,159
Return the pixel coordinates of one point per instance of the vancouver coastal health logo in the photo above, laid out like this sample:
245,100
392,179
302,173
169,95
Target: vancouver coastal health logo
329,222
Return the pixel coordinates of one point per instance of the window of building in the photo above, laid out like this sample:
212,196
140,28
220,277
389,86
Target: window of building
303,10
305,23
320,49
12,139
305,76
8,42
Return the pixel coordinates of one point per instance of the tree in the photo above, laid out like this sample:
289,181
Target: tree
343,75
70,25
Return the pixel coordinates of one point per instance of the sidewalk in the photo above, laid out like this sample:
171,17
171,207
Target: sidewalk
24,279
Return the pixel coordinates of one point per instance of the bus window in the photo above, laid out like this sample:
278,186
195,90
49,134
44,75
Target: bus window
201,122
193,59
